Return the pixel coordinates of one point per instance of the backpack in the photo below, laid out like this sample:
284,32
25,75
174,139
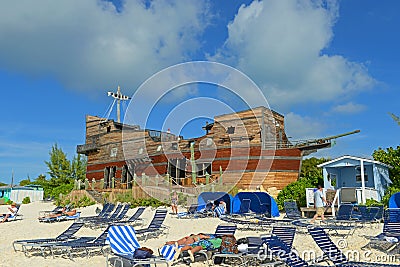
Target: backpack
228,245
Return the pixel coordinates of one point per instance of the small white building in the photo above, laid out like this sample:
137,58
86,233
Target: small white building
356,179
18,193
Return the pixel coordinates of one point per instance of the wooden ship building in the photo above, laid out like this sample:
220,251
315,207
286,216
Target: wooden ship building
248,148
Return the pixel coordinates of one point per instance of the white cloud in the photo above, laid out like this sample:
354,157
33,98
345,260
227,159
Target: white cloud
303,127
280,43
89,45
349,108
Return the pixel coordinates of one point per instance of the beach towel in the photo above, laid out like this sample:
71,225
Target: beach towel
122,240
168,252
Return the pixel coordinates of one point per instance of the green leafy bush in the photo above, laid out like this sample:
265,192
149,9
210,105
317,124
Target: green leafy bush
310,177
389,192
138,202
76,202
26,200
372,203
296,191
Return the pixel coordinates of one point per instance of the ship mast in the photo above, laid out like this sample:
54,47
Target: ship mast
118,96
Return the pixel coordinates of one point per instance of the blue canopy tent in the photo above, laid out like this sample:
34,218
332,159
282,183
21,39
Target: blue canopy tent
260,202
394,201
207,197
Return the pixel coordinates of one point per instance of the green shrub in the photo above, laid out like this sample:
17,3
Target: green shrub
26,200
372,203
76,202
389,192
296,191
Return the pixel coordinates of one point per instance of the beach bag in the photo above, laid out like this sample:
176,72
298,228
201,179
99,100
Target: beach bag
143,253
228,245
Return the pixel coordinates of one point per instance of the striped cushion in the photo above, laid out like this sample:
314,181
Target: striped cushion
219,210
168,252
122,239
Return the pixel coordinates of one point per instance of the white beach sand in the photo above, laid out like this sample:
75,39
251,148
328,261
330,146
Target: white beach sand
29,228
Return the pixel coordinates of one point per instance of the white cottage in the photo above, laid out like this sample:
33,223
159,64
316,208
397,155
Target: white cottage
356,179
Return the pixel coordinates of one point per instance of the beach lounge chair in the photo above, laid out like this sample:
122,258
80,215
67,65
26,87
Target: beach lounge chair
117,216
156,227
12,217
244,209
107,216
333,254
104,213
249,257
67,234
191,212
134,219
333,229
344,214
87,245
256,248
286,234
124,247
367,215
388,240
277,249
291,209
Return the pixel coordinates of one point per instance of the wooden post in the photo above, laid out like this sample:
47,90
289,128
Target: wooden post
193,162
220,175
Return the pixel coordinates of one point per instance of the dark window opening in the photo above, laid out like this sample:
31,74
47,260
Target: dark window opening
177,169
203,168
108,129
230,130
174,146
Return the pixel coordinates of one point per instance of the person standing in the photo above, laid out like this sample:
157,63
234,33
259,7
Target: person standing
174,203
319,201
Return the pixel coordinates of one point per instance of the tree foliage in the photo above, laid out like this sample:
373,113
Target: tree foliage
396,119
59,166
310,177
390,156
25,182
78,167
62,173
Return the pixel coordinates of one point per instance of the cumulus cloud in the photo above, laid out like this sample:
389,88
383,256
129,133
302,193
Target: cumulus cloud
349,108
90,45
280,44
303,127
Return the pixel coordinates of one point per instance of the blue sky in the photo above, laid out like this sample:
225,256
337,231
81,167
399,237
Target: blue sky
329,67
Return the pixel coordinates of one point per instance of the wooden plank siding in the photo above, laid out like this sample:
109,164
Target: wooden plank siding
239,153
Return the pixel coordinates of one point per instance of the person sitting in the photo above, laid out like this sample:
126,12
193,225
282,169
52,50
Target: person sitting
12,211
220,209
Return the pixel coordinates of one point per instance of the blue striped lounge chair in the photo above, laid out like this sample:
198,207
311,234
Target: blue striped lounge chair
67,234
125,247
334,255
